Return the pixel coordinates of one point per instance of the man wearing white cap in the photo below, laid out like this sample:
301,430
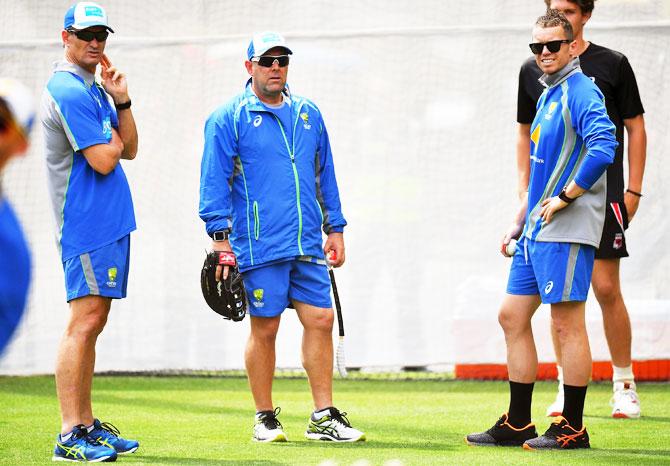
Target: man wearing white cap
17,112
88,127
267,190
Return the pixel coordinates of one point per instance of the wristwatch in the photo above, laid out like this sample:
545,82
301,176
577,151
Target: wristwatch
221,235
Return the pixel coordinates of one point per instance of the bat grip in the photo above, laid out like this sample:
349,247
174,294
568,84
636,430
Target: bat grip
340,321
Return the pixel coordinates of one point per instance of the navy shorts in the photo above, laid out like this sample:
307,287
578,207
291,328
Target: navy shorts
101,272
271,288
558,272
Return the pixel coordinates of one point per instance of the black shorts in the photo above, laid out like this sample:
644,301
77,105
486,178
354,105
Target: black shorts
613,241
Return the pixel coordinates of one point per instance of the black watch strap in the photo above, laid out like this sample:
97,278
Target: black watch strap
564,197
124,105
220,235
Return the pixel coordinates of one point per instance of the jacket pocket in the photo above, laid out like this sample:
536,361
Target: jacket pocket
257,222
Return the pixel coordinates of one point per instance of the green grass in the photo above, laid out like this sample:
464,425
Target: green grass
207,421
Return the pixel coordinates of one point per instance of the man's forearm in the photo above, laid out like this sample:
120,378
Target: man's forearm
637,152
523,158
128,133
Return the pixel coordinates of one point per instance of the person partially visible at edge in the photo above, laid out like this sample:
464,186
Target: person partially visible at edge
614,76
88,128
559,225
267,190
17,113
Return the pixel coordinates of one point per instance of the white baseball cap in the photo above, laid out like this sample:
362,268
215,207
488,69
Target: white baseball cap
264,41
20,102
84,15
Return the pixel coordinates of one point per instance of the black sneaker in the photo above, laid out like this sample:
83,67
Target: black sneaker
502,434
559,435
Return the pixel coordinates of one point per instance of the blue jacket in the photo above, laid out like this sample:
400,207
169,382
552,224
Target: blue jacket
272,186
572,138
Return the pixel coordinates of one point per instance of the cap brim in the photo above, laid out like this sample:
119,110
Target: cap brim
91,26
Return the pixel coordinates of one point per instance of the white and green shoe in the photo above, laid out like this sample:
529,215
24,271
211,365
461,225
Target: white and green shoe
268,428
332,426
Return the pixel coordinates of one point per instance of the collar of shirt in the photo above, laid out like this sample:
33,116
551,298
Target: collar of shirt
550,80
64,65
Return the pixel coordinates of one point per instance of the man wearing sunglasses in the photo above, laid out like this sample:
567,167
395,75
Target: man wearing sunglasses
267,190
88,127
559,224
614,76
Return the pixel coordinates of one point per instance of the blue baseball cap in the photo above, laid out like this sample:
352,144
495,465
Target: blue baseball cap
264,41
84,15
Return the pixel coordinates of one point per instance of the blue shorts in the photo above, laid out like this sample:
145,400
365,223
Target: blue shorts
102,272
558,272
271,288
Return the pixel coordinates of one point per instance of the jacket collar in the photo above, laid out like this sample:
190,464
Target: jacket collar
64,65
551,80
255,104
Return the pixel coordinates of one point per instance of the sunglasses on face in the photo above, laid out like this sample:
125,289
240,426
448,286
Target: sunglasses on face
553,46
268,60
88,36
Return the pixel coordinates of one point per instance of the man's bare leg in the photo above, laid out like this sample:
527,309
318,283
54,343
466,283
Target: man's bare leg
76,360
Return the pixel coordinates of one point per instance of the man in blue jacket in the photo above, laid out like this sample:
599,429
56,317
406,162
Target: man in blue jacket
559,223
17,112
267,189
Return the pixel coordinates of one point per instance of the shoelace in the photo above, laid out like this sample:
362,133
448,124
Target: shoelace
110,428
82,433
270,420
339,417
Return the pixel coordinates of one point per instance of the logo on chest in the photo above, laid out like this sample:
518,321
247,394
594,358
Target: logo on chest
551,110
305,120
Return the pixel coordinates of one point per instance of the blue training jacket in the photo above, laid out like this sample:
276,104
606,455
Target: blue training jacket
273,187
572,138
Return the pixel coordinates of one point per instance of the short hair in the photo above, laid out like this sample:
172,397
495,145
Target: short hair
585,5
6,119
553,18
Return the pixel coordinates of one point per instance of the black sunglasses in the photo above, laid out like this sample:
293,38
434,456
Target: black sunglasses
268,60
88,36
553,46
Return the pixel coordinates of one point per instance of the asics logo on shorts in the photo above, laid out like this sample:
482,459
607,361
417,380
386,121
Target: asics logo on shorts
548,287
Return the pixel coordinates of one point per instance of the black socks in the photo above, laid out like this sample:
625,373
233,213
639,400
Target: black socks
521,395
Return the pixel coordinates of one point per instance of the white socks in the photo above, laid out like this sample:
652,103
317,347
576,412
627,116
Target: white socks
622,374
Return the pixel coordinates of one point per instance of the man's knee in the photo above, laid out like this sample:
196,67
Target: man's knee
321,321
88,320
512,321
264,329
605,281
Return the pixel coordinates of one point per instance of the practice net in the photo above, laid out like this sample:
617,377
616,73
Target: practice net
420,103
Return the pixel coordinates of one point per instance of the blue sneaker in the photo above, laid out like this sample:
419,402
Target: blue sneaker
81,447
108,435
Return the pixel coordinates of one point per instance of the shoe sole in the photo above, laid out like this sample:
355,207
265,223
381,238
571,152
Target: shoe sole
127,452
625,416
327,438
278,438
529,448
554,414
480,444
98,460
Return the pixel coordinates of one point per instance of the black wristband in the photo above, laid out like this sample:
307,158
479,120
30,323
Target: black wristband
564,197
123,106
221,235
634,193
